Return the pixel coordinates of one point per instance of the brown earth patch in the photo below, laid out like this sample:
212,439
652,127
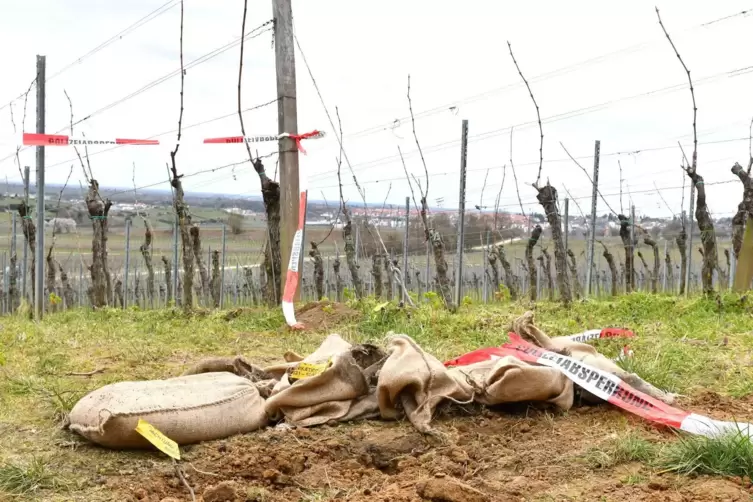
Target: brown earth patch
321,316
518,456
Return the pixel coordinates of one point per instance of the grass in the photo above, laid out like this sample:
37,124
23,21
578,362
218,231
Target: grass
629,447
729,455
679,346
20,480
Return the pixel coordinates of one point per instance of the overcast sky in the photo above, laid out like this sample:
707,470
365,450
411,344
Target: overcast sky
599,70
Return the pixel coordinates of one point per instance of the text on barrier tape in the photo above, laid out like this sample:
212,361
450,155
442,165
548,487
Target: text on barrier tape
593,334
33,139
269,137
606,386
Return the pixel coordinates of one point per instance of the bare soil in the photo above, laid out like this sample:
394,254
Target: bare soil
514,454
321,316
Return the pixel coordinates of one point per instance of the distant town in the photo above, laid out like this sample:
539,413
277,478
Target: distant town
215,208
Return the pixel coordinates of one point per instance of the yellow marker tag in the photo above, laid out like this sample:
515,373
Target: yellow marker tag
381,306
162,442
308,370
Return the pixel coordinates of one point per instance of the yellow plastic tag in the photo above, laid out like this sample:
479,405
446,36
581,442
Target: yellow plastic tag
162,442
308,370
381,306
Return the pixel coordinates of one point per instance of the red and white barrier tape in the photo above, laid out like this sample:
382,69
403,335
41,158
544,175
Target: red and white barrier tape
33,139
593,334
291,281
261,139
607,387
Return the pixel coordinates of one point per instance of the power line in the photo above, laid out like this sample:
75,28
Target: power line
630,152
200,60
118,36
538,78
188,175
554,118
185,127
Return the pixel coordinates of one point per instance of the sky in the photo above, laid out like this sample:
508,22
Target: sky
598,70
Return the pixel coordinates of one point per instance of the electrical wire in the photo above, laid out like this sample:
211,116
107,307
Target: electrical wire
554,118
200,60
539,78
643,150
118,36
185,127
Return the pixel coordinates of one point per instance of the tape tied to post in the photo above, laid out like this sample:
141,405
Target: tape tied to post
293,274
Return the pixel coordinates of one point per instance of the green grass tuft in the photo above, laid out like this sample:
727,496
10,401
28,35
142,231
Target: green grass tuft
23,480
621,450
729,455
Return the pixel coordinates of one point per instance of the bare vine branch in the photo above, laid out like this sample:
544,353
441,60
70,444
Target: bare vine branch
87,175
333,221
750,146
588,227
57,209
662,198
538,116
182,84
240,80
515,177
481,202
692,93
499,196
340,162
23,124
415,137
347,231
410,185
619,164
592,181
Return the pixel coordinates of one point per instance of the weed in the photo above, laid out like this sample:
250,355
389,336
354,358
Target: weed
50,364
21,385
728,455
634,479
622,449
21,480
62,401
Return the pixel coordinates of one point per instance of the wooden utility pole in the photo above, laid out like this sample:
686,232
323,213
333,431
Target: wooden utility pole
287,122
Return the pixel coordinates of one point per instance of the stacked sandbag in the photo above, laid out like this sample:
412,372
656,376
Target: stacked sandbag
220,397
415,383
187,409
525,327
335,383
510,380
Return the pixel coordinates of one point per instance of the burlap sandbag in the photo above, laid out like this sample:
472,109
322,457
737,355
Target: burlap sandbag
237,365
187,409
415,381
510,380
525,327
339,393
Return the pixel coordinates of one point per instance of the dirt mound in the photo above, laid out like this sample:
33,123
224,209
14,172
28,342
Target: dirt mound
531,455
720,406
321,316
